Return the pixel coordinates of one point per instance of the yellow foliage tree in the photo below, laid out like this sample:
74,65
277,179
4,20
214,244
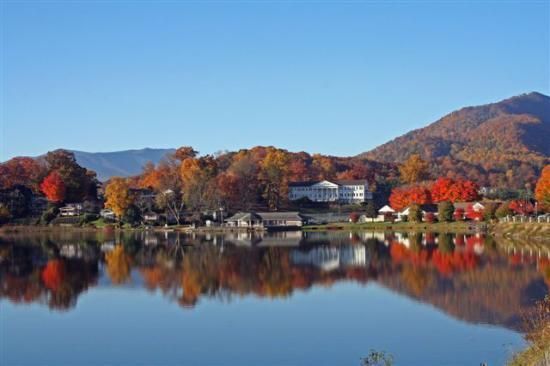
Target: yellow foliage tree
117,195
274,174
414,169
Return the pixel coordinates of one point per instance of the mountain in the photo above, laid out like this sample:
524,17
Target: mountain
498,144
119,163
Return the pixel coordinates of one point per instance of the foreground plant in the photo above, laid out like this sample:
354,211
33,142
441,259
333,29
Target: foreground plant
537,323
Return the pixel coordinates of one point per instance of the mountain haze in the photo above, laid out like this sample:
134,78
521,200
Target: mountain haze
504,143
119,163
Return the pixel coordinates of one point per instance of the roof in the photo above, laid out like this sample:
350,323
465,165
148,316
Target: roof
294,216
464,205
303,183
243,216
309,183
386,208
351,182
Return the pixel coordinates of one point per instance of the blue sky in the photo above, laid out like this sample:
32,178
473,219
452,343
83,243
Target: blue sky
331,77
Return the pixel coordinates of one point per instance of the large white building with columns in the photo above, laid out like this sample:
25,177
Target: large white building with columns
343,191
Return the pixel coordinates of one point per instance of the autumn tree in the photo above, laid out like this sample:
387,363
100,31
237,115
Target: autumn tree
323,166
274,177
401,197
447,189
22,171
198,182
53,187
542,189
521,207
413,170
80,183
117,196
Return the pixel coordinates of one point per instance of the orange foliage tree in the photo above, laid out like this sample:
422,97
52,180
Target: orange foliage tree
542,190
414,169
53,187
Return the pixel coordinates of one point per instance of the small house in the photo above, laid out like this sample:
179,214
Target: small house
245,220
426,209
281,219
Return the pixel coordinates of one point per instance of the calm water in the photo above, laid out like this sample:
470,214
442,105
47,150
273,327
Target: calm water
284,299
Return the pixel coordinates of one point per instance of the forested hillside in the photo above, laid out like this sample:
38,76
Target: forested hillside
503,144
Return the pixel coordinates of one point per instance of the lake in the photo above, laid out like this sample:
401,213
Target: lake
289,298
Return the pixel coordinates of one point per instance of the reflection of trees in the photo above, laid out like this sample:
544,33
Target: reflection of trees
465,275
118,265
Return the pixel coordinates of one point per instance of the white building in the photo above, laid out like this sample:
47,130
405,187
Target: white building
344,191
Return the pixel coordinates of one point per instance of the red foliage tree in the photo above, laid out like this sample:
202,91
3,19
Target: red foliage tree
447,189
403,197
53,187
522,207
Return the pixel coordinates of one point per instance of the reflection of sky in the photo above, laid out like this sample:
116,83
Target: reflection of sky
323,326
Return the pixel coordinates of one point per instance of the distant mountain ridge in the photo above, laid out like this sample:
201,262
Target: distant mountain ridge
119,163
499,144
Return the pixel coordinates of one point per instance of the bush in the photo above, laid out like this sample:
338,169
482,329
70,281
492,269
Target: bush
354,217
87,218
459,214
430,217
489,213
445,211
48,215
5,215
503,210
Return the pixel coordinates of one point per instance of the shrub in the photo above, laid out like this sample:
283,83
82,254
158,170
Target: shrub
459,214
430,217
354,217
503,210
48,215
88,218
489,212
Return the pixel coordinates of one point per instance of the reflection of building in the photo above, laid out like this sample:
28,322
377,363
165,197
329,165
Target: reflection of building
345,191
330,258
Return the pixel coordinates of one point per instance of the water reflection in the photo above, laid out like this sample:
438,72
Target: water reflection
468,276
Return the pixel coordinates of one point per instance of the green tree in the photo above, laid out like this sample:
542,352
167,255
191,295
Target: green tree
415,213
370,210
445,211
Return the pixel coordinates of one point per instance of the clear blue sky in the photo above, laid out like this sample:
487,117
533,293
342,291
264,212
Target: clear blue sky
330,77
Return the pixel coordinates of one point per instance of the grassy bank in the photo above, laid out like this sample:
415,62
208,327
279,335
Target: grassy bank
455,227
525,230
